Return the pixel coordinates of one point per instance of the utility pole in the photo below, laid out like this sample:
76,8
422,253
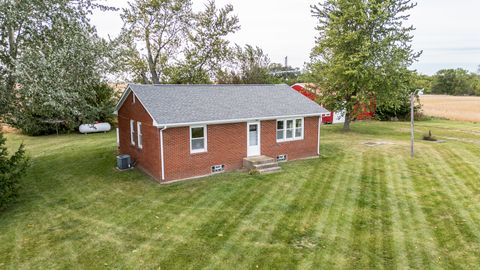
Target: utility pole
412,121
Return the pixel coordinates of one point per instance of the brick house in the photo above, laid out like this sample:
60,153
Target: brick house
177,132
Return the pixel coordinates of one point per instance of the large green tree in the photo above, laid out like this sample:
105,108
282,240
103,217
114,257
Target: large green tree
456,82
248,65
207,49
362,53
152,36
166,41
53,64
24,23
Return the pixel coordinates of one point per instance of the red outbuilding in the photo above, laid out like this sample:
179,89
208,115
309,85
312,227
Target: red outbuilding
362,111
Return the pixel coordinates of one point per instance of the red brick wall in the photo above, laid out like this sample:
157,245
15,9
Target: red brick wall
147,158
227,144
294,149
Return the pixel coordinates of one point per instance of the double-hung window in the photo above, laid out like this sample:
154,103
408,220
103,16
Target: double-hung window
198,139
139,135
132,132
289,129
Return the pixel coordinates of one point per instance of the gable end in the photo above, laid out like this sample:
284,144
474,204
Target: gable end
124,97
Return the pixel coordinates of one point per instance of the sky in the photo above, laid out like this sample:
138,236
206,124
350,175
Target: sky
447,31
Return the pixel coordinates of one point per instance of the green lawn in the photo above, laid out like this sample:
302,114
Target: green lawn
357,206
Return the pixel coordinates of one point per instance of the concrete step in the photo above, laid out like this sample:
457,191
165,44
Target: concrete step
265,165
270,170
250,162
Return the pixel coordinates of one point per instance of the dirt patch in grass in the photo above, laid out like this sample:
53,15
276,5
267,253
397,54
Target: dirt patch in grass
377,143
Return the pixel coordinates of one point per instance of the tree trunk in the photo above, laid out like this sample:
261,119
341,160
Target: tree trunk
10,80
348,120
153,71
151,63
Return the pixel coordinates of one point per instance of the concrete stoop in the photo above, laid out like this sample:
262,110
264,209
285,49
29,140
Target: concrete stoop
262,164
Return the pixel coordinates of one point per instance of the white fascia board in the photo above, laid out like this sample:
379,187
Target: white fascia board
122,99
229,121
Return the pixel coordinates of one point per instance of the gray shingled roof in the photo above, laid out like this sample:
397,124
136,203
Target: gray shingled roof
187,104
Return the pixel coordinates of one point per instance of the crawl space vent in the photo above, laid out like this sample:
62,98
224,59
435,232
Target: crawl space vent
218,168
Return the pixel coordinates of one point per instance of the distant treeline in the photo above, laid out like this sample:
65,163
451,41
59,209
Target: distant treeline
457,82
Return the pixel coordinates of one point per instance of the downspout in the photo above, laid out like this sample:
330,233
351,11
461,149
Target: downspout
318,139
161,152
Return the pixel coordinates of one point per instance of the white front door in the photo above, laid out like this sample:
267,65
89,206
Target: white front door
253,139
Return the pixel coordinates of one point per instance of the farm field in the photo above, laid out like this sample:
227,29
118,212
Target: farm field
356,207
452,107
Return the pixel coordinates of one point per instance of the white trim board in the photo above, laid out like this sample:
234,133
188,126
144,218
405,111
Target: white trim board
229,121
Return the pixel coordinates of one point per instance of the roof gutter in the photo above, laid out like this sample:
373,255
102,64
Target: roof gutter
235,120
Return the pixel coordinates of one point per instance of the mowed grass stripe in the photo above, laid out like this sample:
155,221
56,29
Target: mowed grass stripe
466,219
267,217
247,238
388,248
260,215
293,222
399,214
319,221
122,234
335,235
457,191
176,215
459,162
420,242
440,209
42,232
362,251
199,232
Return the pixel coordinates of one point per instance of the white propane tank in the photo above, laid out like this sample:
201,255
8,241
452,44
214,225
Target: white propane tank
91,128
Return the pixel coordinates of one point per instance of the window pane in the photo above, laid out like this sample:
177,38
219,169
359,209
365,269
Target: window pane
140,142
280,134
198,144
253,139
253,135
298,123
197,132
279,124
298,133
289,133
289,123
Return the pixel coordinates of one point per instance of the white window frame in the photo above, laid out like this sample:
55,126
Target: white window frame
294,138
205,138
132,132
139,135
